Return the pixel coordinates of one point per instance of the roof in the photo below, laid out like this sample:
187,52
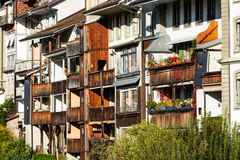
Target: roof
160,45
40,7
102,5
139,2
69,22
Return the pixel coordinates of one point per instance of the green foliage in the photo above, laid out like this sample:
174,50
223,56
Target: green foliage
12,149
151,104
211,139
8,104
40,156
98,151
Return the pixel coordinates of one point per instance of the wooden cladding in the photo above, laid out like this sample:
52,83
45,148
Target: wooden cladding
75,114
41,118
173,119
211,78
44,89
74,146
98,114
74,48
172,74
128,119
58,118
59,87
97,35
101,78
75,81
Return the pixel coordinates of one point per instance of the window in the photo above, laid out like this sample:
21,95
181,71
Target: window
238,90
128,60
176,13
118,25
127,24
111,31
187,11
238,34
199,10
129,101
74,65
60,103
211,9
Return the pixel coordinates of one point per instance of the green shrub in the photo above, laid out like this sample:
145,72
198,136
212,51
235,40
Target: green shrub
40,156
211,139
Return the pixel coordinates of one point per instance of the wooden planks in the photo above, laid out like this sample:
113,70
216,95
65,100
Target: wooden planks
43,89
172,74
75,114
173,119
105,78
98,114
211,78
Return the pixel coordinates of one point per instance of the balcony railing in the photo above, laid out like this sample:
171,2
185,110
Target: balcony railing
26,65
127,119
172,74
6,15
9,68
59,87
101,114
41,118
103,78
20,92
173,119
43,89
75,81
74,48
74,146
58,118
211,78
75,114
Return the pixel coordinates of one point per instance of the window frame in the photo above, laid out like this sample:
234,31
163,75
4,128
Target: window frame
126,60
176,13
129,103
187,11
211,9
198,11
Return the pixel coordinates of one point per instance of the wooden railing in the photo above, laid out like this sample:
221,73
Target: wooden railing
101,114
173,119
59,87
103,78
211,78
172,74
75,114
74,146
75,81
43,89
41,118
58,118
127,119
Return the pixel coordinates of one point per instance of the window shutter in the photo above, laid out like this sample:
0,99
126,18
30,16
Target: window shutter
139,98
118,101
238,92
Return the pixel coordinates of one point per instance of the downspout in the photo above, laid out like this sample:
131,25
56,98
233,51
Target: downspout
229,38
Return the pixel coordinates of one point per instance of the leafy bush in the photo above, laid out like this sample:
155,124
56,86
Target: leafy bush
211,139
40,156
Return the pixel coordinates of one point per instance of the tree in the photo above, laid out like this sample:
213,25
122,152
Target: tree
211,139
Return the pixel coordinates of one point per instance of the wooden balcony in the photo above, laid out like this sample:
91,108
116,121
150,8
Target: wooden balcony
104,78
59,87
41,118
172,74
127,119
43,89
173,119
75,81
211,78
59,118
75,114
98,114
74,146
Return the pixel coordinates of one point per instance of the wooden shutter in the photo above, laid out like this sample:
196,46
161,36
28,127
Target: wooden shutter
139,98
118,100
